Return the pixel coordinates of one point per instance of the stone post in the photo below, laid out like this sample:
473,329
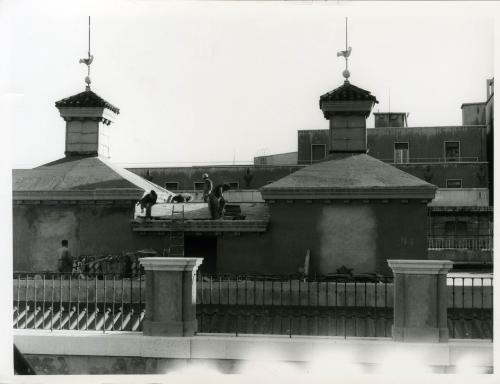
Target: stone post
420,300
170,296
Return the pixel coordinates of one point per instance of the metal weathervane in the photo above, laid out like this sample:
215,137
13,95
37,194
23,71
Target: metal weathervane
87,62
345,54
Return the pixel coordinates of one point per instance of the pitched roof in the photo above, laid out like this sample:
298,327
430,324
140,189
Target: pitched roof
347,92
86,99
82,174
349,176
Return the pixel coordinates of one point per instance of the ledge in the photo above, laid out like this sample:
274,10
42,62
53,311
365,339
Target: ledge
420,267
170,263
351,193
94,194
247,347
199,225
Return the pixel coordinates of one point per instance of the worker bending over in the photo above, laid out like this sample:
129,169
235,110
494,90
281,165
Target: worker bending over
147,202
216,201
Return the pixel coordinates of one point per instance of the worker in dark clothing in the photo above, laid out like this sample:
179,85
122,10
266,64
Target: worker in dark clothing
64,260
147,202
182,198
216,201
207,188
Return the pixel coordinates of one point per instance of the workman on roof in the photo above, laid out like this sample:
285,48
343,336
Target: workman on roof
216,201
207,188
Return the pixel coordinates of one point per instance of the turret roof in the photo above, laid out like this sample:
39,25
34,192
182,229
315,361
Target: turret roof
348,92
86,99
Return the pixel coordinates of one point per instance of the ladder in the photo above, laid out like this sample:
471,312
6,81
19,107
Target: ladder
177,237
176,244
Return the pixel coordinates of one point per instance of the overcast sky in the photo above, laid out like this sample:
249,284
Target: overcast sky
218,82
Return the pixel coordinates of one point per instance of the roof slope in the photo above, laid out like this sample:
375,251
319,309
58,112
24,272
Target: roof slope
347,91
84,174
349,175
86,99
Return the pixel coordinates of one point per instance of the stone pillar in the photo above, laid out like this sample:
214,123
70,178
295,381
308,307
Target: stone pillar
420,300
170,296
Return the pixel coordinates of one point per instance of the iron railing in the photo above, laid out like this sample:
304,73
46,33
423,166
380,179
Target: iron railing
334,305
470,307
57,301
460,242
337,305
448,159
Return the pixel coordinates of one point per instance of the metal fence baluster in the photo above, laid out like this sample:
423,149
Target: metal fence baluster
43,304
60,299
113,306
122,309
52,306
105,311
78,304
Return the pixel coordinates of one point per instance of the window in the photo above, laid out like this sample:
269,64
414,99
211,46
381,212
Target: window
172,185
199,185
454,183
234,185
455,228
401,153
451,151
318,152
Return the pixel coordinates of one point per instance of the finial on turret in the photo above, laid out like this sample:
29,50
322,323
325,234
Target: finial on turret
345,54
87,62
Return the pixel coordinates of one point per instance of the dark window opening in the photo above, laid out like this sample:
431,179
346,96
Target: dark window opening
234,185
171,185
452,150
401,153
318,152
454,183
455,228
204,246
198,186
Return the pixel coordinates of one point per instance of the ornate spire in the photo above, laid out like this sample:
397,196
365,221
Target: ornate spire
345,54
87,62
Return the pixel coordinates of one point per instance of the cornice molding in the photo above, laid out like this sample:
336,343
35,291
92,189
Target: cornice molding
351,193
170,263
199,226
95,194
420,267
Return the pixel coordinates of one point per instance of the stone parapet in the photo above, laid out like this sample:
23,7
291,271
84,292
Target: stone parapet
420,300
170,296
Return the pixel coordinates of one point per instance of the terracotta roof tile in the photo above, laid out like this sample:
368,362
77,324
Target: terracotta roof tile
347,92
86,99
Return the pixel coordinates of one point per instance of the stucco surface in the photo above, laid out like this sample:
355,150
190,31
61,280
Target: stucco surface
347,241
96,230
358,235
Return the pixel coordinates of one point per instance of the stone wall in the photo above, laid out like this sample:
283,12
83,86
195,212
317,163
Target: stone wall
357,235
91,229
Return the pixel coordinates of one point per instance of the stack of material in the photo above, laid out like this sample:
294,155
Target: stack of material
233,212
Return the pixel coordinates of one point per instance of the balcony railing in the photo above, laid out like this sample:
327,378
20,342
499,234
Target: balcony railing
416,160
470,307
456,242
